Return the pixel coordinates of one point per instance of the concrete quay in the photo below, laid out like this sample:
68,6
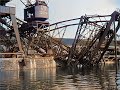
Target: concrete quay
26,63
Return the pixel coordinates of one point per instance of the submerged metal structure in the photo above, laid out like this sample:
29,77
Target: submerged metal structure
92,39
35,36
102,30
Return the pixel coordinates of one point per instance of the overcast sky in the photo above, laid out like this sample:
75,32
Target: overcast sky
67,9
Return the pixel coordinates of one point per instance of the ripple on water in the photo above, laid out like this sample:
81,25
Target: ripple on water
103,78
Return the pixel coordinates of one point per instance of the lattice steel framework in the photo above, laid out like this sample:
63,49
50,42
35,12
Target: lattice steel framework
92,37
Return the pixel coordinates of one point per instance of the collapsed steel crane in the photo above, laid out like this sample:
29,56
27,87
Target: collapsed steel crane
92,38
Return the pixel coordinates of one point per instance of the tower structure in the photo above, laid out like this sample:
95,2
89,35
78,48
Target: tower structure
36,16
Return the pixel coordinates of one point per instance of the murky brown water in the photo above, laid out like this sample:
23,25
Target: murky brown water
102,78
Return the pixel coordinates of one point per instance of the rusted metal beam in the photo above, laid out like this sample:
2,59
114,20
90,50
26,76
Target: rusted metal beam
13,18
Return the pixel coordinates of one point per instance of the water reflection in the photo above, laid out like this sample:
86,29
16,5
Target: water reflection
27,79
100,78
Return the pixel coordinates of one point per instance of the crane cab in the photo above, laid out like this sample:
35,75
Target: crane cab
36,12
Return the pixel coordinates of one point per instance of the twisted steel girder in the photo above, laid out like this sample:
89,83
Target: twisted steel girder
92,37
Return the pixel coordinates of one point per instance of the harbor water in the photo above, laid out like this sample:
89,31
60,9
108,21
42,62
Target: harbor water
104,77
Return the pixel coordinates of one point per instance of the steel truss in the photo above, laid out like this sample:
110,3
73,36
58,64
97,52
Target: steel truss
92,37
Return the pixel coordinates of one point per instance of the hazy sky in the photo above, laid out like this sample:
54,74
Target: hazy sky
67,9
